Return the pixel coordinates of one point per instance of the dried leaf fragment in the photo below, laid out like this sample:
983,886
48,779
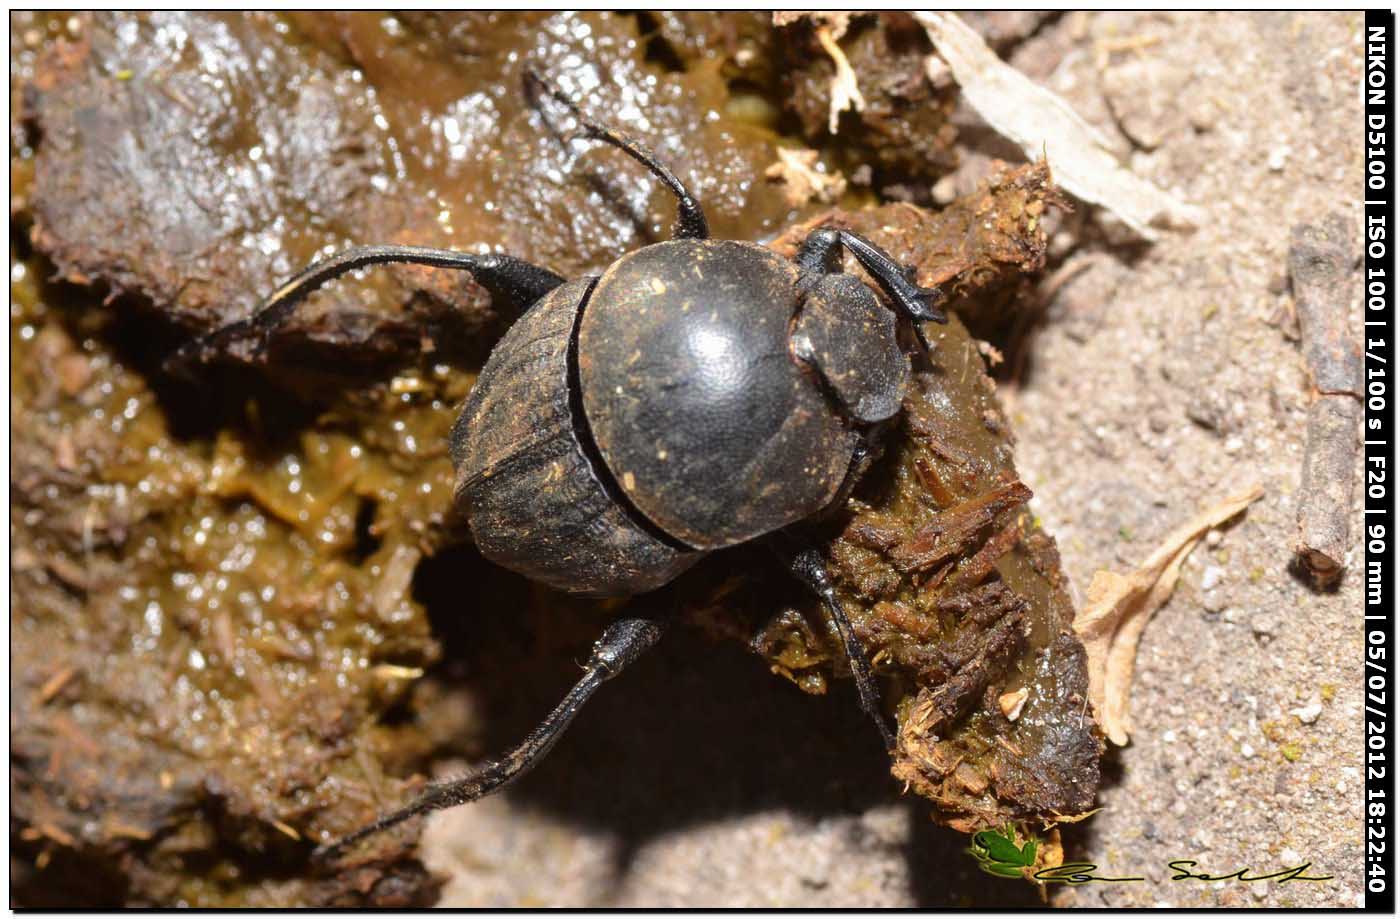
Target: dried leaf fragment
835,20
1040,122
796,169
1119,607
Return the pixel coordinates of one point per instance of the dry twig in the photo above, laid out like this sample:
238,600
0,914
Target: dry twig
1320,260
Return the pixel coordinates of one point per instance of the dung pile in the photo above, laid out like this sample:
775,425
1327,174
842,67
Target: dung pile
229,600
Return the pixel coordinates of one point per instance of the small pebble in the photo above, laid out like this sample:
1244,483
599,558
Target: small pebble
1308,713
65,454
1264,624
1246,750
1211,577
945,190
1012,702
74,372
1203,116
1278,158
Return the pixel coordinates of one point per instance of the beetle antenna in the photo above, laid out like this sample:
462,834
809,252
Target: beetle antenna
690,218
621,643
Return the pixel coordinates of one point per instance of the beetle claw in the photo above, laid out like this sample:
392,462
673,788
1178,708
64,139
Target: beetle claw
922,336
930,299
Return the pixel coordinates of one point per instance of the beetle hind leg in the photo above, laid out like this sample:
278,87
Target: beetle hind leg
621,643
808,567
513,283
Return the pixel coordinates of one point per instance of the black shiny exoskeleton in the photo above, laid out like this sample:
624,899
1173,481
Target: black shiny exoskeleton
699,394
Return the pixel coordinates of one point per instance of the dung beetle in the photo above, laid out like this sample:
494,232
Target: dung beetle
698,394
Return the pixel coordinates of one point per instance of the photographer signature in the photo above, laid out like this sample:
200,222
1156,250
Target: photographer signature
1007,854
1183,869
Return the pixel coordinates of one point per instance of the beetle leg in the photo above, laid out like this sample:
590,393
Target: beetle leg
690,218
513,283
821,254
808,567
621,643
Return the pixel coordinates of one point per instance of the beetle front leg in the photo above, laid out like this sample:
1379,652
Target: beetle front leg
809,568
821,254
621,643
514,284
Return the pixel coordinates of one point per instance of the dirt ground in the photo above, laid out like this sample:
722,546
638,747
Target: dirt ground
1196,384
289,574
1161,376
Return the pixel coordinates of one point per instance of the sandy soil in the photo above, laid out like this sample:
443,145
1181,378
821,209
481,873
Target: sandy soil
1172,378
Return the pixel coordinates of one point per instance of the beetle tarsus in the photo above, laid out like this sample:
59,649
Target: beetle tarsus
513,283
821,254
690,217
620,644
808,567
